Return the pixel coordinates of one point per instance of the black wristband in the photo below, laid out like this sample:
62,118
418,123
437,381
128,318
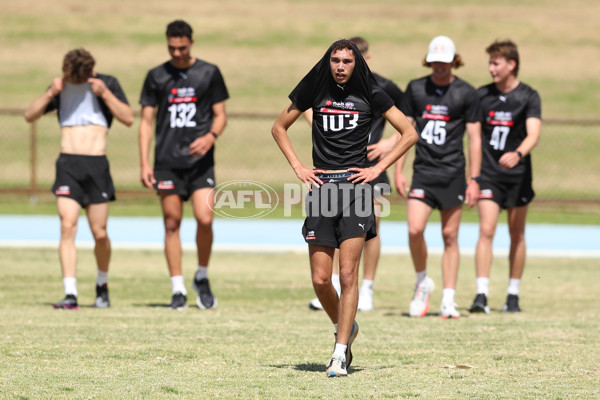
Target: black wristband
214,134
476,179
519,153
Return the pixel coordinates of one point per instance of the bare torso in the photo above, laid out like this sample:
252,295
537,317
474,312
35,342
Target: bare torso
89,140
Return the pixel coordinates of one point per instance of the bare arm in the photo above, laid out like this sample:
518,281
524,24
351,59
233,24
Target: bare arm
308,114
120,110
37,108
408,137
472,192
204,143
145,139
287,117
534,128
378,150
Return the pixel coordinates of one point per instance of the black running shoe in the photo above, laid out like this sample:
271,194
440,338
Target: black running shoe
205,299
68,303
512,303
480,304
102,300
178,301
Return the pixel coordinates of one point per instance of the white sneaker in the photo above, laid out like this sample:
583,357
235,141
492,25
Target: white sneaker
336,367
315,304
420,302
365,300
448,310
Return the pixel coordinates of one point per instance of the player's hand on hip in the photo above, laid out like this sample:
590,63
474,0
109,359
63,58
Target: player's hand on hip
363,175
309,176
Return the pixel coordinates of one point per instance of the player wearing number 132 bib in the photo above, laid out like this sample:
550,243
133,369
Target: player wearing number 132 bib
184,98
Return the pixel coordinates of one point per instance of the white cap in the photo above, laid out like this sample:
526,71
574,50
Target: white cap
441,49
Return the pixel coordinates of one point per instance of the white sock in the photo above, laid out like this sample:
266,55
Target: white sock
448,295
421,276
202,272
70,285
340,350
483,285
513,286
367,285
102,278
178,284
335,279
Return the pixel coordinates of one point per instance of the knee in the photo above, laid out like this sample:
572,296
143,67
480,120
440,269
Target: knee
321,280
486,232
415,232
205,224
348,280
100,234
517,235
68,229
172,225
450,237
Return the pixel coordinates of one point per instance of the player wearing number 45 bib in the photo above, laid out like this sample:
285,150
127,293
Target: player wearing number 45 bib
188,96
441,105
511,119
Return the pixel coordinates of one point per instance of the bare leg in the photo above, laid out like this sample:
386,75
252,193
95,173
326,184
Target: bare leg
489,212
98,217
516,227
371,255
68,211
203,204
350,251
417,215
321,262
451,256
172,207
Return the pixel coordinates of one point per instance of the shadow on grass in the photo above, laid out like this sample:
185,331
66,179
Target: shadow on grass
311,367
464,313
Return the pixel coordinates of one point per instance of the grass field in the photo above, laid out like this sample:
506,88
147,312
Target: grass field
262,342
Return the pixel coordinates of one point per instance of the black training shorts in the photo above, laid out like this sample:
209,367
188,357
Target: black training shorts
85,179
438,191
185,181
338,210
507,194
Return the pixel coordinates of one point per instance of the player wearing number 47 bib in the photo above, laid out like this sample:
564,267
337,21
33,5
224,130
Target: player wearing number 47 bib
511,119
441,105
188,96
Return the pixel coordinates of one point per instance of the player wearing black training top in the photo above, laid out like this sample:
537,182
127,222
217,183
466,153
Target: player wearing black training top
511,119
441,105
189,97
376,149
86,103
345,99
